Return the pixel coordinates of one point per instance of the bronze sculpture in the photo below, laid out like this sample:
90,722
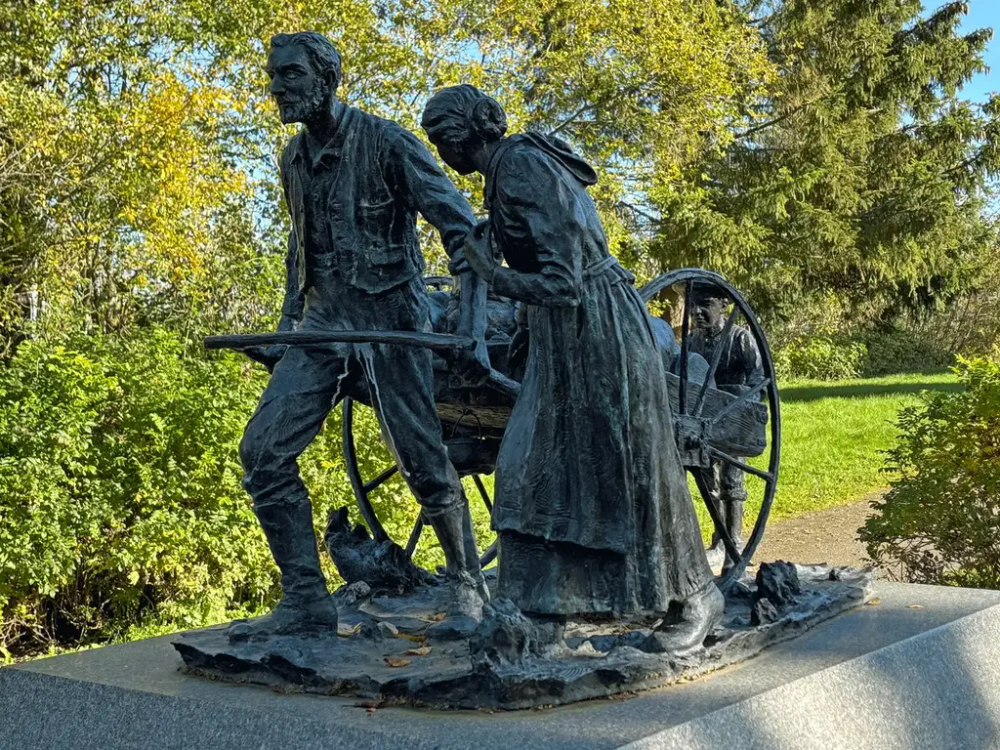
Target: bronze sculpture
738,368
604,586
592,507
353,184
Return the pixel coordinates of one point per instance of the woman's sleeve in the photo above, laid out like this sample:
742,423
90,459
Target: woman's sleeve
536,208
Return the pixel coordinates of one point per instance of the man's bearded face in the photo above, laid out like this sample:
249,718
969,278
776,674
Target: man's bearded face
298,90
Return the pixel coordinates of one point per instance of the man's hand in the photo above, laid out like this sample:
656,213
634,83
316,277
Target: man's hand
268,356
472,369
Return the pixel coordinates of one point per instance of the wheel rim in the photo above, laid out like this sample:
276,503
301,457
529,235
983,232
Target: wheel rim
362,491
358,485
689,277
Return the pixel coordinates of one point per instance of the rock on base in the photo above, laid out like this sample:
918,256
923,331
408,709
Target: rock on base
592,660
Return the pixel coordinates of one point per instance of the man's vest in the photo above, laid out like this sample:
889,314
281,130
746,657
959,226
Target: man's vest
371,236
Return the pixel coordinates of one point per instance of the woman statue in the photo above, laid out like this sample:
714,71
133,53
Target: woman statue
592,505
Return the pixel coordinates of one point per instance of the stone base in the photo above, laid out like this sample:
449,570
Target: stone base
384,656
918,668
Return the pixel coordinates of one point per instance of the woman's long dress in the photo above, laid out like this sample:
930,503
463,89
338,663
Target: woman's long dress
592,505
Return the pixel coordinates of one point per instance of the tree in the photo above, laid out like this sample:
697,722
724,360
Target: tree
863,181
137,142
119,202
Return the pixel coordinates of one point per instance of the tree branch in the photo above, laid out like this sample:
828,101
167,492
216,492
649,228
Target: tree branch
777,120
571,119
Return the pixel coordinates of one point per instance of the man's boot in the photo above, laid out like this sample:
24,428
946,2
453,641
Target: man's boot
306,607
468,594
716,554
472,554
734,525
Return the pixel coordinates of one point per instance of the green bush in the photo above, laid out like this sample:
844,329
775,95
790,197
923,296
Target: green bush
120,499
902,351
873,355
940,521
819,358
121,510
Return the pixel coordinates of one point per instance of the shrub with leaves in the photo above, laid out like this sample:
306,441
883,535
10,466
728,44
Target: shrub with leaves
902,351
940,521
820,358
121,510
120,499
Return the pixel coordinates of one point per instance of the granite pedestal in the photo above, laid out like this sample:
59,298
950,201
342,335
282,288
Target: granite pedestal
919,669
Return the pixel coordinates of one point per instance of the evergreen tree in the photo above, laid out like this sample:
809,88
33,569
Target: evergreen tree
864,178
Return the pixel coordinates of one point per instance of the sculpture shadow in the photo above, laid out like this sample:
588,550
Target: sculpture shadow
801,394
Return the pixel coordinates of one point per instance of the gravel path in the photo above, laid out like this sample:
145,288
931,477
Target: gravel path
826,536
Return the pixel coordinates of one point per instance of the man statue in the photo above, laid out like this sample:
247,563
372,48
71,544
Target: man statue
353,184
739,368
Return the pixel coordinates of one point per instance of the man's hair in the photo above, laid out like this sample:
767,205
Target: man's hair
704,290
322,54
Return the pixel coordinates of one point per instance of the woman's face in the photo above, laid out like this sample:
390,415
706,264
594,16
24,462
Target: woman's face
458,156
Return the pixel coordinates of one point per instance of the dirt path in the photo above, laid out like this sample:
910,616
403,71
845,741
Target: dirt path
826,536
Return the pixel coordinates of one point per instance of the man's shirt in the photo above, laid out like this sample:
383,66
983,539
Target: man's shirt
740,362
354,204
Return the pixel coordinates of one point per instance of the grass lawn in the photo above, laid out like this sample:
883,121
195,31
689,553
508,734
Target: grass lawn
832,437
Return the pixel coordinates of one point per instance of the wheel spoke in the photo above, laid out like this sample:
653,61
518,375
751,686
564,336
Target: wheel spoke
767,392
716,357
354,474
682,392
714,512
743,398
740,465
482,492
489,555
411,543
380,479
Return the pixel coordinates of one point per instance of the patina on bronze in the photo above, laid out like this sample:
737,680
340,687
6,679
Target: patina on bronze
591,505
738,368
588,409
354,184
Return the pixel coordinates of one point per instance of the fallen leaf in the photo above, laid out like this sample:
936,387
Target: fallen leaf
393,662
873,602
915,606
422,651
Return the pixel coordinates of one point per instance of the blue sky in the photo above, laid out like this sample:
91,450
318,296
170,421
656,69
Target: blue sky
982,13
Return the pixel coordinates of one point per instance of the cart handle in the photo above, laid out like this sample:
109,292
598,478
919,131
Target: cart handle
434,341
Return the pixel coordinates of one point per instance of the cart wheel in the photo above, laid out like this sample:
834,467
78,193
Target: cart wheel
692,400
363,489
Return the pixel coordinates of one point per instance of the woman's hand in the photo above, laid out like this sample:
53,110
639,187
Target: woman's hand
478,252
